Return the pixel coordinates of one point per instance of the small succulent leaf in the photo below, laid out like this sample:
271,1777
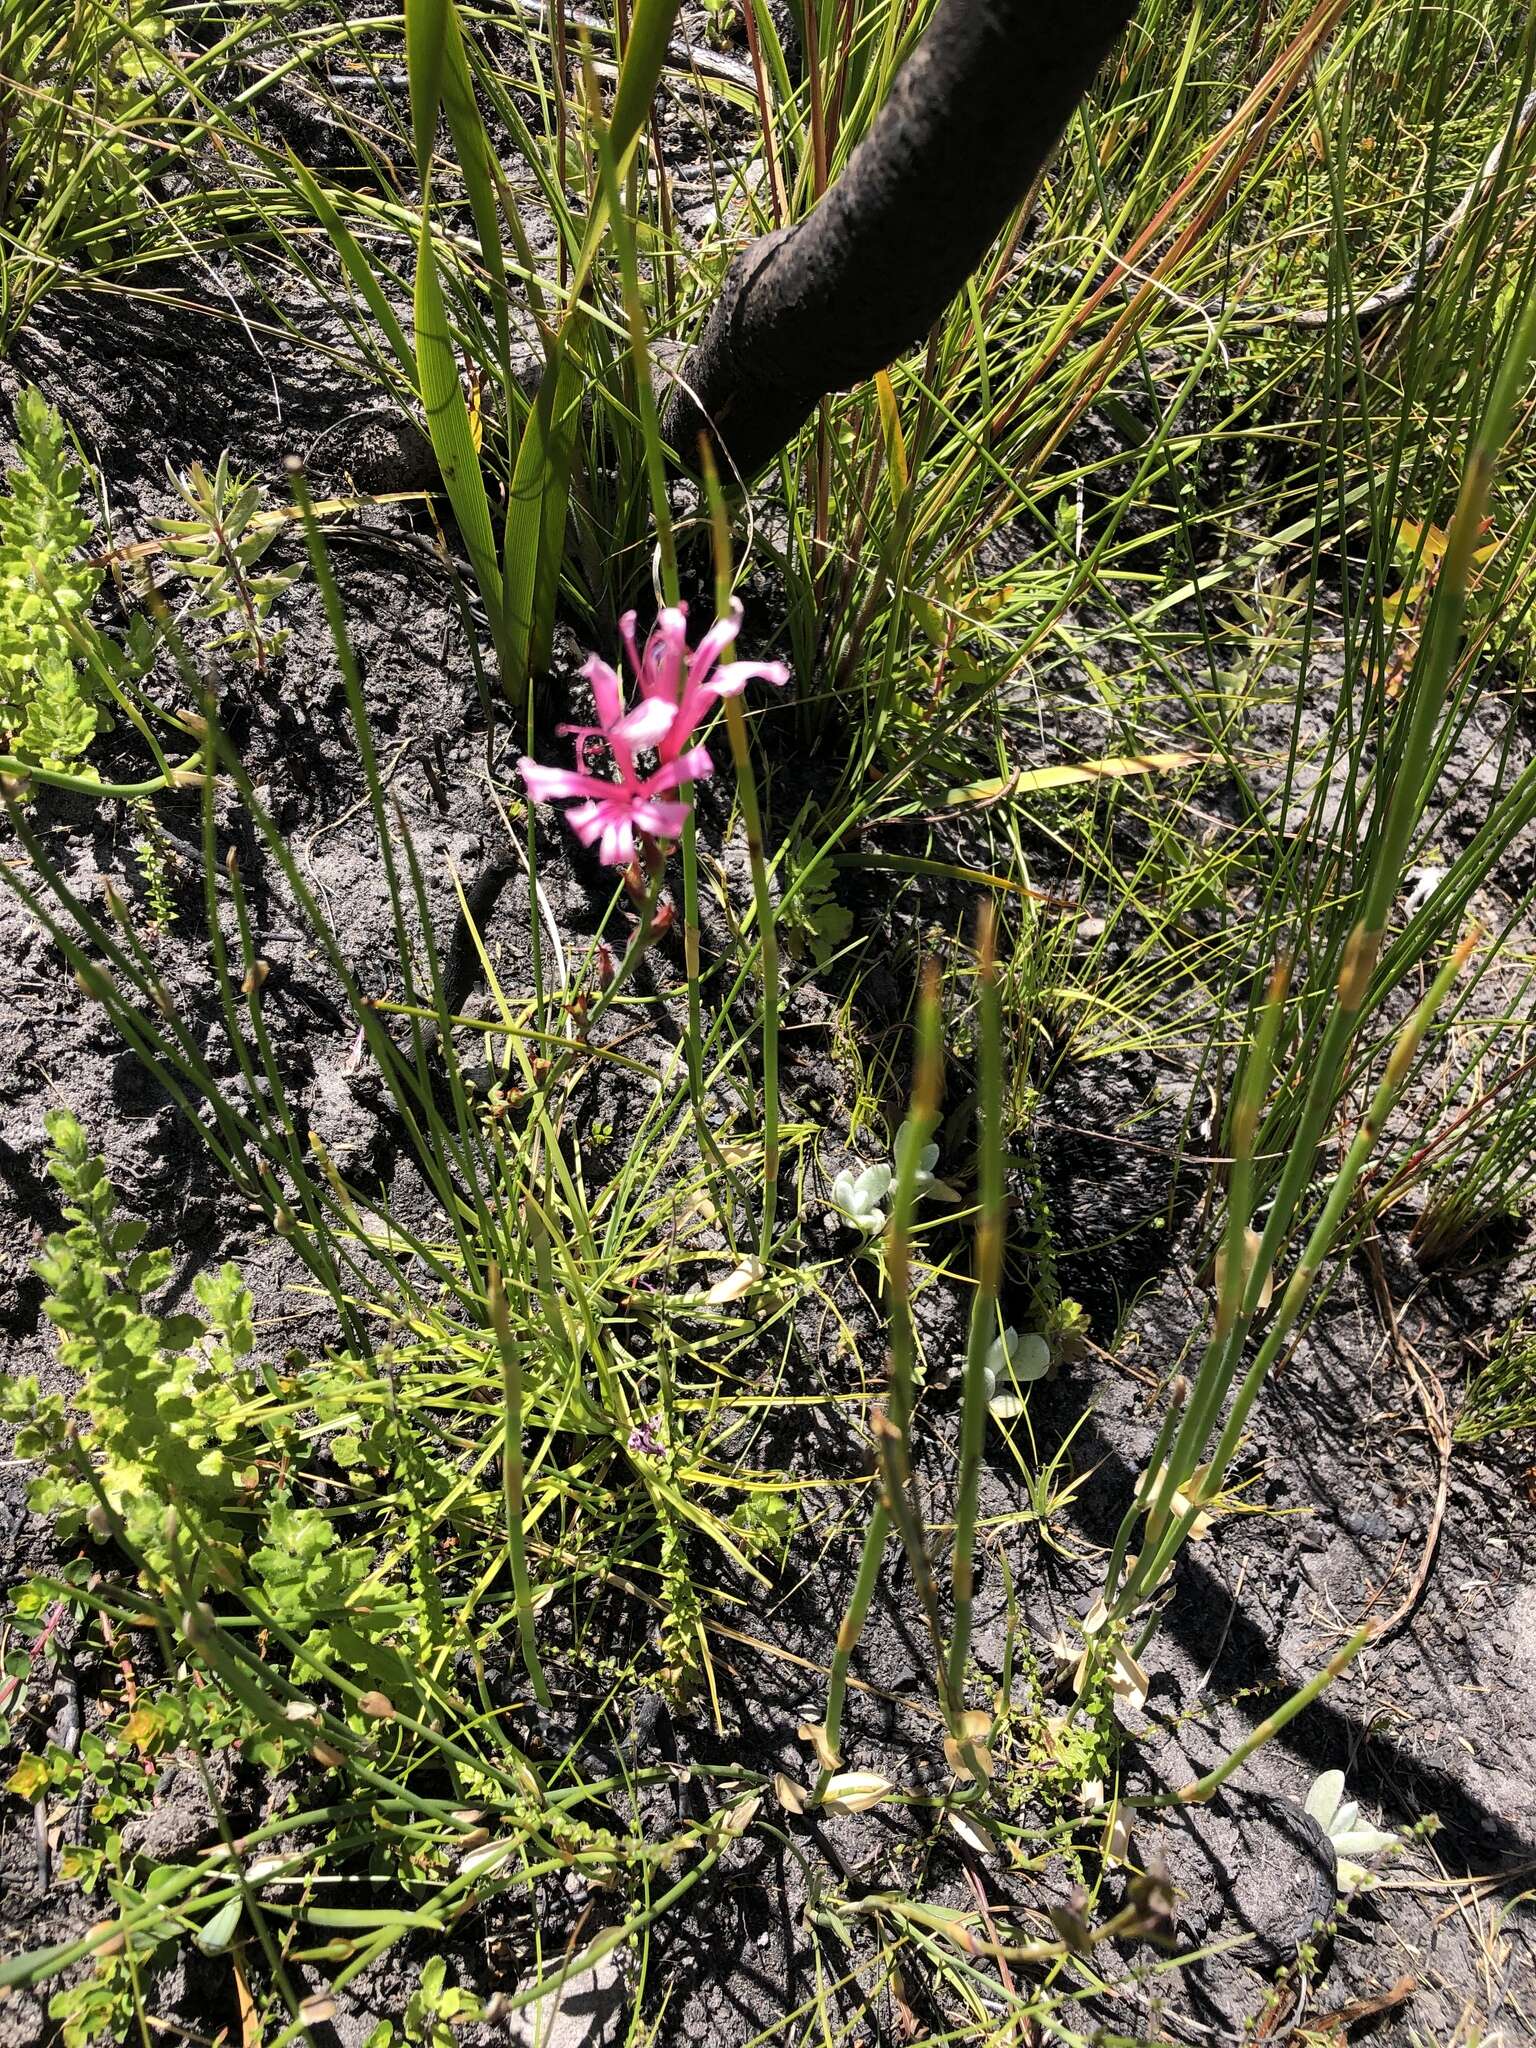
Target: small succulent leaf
855,1791
814,1732
1322,1800
972,1833
1363,1840
793,1797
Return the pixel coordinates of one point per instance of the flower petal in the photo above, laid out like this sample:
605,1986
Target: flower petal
609,826
661,667
721,635
730,680
647,725
627,637
693,766
549,785
661,820
607,691
586,820
616,848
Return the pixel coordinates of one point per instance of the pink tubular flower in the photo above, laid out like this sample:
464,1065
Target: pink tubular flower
677,689
689,684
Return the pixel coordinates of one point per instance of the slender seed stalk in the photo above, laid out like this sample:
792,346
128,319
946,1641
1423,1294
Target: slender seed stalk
512,1478
1382,1103
1178,1398
1402,804
1203,1788
989,1267
1406,793
893,1424
751,814
850,1629
898,1488
1157,1556
1224,1351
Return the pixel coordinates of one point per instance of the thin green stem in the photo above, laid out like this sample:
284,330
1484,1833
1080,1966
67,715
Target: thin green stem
850,1629
512,1478
1203,1788
182,776
762,894
990,1225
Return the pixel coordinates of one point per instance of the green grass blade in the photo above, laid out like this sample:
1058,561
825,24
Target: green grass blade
644,55
358,268
472,146
645,52
535,530
426,39
448,424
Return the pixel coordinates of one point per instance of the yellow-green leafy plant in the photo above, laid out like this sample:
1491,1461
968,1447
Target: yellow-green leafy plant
77,75
50,706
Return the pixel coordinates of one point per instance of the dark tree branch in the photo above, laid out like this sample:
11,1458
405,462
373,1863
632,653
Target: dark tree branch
818,307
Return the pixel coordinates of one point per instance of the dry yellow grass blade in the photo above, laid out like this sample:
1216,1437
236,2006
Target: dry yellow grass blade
1065,774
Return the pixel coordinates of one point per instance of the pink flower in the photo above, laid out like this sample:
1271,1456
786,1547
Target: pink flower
689,685
676,690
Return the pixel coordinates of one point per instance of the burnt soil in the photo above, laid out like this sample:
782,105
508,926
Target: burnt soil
1434,1719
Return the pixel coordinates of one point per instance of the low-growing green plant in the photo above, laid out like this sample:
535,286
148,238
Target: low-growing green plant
156,858
218,548
63,681
166,1401
76,78
1353,1837
858,1197
51,707
815,926
435,2013
1501,1392
290,1534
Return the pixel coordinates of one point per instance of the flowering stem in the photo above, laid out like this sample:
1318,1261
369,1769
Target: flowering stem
752,819
666,551
989,1264
849,1631
640,939
741,755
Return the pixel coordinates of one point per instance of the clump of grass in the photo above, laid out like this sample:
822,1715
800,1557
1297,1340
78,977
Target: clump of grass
1148,604
1501,1392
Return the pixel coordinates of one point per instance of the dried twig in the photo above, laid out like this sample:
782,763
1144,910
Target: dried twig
1437,1422
1398,294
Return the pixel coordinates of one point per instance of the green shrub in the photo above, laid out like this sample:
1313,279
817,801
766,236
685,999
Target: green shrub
50,708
